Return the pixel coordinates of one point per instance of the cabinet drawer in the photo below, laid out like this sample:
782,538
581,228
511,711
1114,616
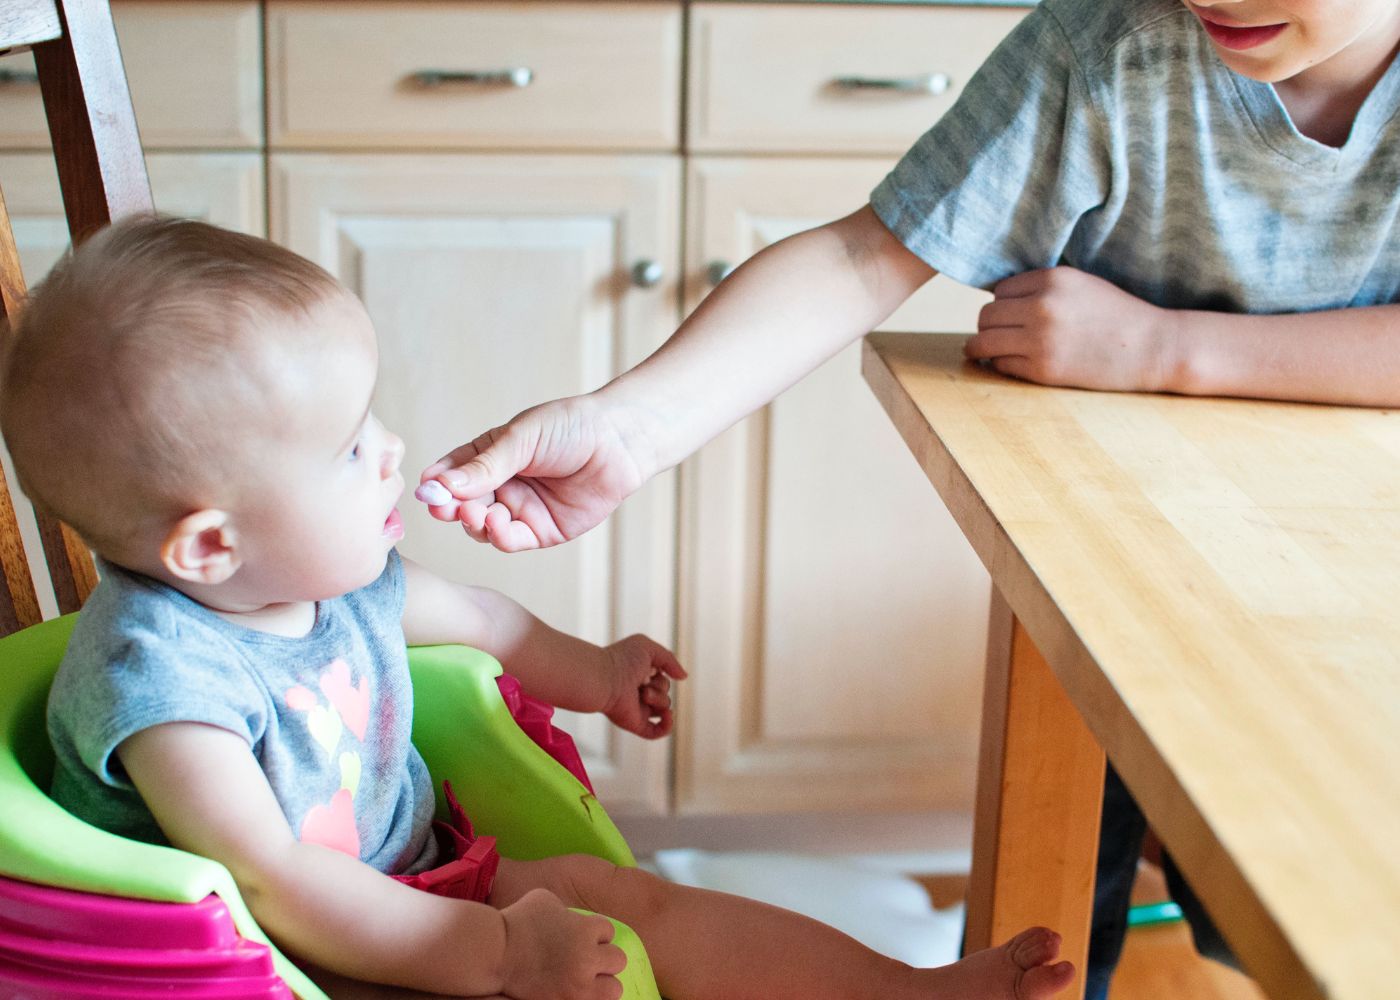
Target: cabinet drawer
195,72
440,74
782,78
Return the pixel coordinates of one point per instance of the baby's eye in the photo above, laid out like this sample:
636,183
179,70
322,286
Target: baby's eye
355,452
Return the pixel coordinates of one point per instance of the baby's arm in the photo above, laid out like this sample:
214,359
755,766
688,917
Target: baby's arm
629,681
1062,326
210,797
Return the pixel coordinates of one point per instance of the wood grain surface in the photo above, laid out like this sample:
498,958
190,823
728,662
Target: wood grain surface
1215,584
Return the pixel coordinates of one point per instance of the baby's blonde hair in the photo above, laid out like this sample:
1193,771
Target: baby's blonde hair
141,364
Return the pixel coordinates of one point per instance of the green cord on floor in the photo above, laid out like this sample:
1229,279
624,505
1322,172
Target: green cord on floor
1150,914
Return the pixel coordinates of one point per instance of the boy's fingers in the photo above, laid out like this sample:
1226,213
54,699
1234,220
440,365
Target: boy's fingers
995,343
1016,366
1018,285
483,464
1003,313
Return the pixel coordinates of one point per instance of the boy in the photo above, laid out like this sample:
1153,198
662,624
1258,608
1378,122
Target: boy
1163,195
237,683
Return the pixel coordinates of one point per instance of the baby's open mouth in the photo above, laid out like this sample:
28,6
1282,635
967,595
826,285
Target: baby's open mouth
393,524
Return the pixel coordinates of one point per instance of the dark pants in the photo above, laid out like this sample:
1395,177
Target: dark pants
1121,832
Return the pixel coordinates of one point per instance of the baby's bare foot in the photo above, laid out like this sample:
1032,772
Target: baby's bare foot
1021,969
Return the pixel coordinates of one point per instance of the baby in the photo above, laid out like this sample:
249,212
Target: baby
237,683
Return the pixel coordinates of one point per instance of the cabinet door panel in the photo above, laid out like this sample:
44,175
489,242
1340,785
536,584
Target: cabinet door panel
223,188
495,283
194,69
833,615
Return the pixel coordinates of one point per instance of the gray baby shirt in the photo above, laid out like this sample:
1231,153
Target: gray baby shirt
328,715
1107,135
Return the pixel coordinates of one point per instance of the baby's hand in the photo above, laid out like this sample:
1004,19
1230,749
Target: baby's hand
641,683
553,953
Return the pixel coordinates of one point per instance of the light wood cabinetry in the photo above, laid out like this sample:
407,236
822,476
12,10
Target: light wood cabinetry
835,624
829,79
835,629
498,279
496,282
479,75
488,175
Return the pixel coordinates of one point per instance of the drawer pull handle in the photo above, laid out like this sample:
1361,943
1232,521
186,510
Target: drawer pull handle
925,83
514,76
717,270
18,77
647,273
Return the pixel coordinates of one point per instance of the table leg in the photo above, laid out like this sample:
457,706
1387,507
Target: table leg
1039,791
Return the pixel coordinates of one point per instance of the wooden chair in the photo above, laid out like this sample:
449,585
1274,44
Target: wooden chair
102,175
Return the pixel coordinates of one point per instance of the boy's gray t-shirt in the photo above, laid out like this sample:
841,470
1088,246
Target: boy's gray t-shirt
1107,135
328,715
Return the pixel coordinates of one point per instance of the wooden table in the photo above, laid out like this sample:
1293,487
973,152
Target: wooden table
1215,587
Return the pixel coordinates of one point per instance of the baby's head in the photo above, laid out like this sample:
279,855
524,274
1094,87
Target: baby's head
190,399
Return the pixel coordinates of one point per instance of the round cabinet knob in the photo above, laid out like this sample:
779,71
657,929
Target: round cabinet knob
647,273
717,270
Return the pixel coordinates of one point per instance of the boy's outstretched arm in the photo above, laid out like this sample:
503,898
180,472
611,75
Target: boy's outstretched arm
1062,326
629,681
559,469
210,797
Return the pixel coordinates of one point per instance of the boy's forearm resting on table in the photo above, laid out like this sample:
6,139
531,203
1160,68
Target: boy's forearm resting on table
1063,326
776,318
1349,356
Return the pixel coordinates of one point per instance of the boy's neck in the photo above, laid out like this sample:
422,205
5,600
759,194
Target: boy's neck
1323,100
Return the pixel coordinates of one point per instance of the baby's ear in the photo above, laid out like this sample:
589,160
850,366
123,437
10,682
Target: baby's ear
202,548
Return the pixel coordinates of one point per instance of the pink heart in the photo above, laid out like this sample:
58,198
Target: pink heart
333,826
351,702
300,699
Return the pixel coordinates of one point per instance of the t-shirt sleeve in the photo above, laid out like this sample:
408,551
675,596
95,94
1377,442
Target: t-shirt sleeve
120,681
997,186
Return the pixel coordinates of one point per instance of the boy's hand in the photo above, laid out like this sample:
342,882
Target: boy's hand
550,474
641,672
1061,326
553,953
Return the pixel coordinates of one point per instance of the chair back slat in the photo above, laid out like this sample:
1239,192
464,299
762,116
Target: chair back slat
102,176
19,604
12,284
24,22
91,122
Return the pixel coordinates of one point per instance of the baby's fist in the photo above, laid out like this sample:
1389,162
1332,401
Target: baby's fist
641,683
554,953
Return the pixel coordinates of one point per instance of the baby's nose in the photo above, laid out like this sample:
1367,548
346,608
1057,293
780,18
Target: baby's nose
393,453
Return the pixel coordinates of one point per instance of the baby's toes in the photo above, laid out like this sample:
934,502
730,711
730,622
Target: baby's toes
1033,946
1044,981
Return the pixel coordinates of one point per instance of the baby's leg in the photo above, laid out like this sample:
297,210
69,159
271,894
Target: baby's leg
713,946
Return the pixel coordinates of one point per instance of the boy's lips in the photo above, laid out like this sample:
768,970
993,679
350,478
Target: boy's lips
1238,36
393,524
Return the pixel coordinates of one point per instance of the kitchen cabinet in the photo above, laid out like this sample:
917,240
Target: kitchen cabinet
529,195
496,282
837,631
